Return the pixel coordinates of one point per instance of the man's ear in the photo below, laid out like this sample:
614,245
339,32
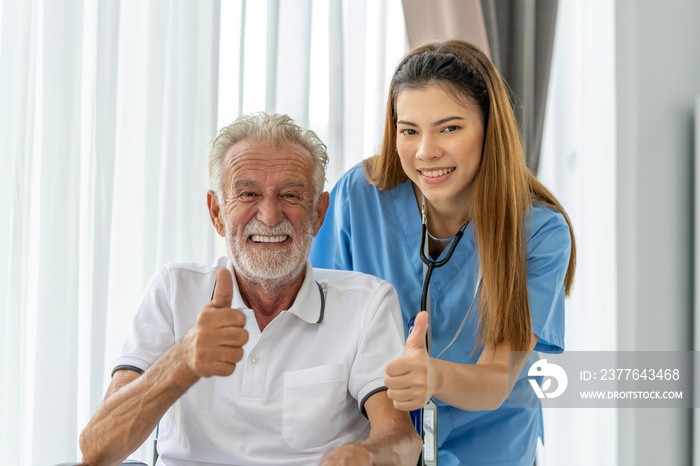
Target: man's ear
320,211
215,213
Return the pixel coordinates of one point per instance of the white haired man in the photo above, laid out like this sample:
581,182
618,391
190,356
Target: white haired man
259,359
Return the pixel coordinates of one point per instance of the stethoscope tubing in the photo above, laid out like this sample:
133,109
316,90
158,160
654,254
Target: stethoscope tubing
431,264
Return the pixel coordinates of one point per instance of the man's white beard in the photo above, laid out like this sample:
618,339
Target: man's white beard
272,268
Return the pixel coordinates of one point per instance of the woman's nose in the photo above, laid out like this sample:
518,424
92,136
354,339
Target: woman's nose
428,149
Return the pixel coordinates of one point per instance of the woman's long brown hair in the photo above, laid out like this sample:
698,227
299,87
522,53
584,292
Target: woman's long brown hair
503,188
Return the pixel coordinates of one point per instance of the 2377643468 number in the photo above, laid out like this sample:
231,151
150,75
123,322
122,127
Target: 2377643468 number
640,374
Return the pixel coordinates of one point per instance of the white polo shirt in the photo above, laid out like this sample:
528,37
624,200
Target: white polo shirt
299,389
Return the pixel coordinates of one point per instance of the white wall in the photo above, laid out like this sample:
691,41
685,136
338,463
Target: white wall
658,77
580,170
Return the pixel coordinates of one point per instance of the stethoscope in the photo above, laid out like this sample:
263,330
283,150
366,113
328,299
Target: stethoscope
425,419
431,264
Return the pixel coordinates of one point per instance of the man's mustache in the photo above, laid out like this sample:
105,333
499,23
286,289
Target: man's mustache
256,227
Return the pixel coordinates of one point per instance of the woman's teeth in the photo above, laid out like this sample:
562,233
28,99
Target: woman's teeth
436,173
268,239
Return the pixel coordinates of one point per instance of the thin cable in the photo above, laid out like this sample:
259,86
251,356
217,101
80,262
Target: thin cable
461,326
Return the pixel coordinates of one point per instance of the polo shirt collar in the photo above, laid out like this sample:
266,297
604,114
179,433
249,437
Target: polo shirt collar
310,301
309,304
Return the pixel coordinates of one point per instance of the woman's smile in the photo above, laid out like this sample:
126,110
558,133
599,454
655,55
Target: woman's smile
435,175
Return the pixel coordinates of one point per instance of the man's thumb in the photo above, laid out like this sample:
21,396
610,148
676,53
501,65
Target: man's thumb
223,290
416,339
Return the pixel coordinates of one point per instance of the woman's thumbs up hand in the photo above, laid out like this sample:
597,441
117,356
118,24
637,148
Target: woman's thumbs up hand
409,379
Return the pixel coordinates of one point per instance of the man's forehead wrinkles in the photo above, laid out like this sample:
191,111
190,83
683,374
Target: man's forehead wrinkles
252,167
267,163
270,154
265,167
286,183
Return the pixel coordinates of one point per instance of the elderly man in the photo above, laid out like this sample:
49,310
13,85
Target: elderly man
259,359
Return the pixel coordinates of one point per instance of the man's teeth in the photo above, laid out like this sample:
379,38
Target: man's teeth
268,239
436,173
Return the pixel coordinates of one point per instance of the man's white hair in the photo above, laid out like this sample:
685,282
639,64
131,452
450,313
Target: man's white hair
277,130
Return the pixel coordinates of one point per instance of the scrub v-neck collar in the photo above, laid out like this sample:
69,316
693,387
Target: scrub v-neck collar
408,212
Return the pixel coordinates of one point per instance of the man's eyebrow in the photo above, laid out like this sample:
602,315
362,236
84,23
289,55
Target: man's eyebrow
244,184
437,123
294,184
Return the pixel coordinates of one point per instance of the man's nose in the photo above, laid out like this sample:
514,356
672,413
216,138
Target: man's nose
428,148
270,210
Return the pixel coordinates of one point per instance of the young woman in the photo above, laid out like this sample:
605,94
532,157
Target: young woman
451,149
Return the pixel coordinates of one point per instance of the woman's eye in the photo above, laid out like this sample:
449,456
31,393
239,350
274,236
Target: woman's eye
408,132
449,129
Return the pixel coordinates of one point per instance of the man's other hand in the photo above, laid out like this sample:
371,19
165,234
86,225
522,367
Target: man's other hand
214,343
348,455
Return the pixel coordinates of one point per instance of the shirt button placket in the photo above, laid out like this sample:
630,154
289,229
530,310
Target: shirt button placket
254,374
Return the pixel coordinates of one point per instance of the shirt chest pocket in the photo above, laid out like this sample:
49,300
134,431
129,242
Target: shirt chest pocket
314,401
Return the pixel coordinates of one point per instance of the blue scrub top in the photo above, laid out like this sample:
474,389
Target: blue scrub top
378,232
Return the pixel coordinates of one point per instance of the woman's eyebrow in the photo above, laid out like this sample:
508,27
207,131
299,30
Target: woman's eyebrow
445,120
437,123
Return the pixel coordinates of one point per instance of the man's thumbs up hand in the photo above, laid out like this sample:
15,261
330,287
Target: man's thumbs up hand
409,379
214,343
223,290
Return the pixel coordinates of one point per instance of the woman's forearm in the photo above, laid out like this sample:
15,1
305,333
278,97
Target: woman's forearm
481,386
471,387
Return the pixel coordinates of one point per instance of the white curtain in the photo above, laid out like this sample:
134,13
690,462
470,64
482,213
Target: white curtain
107,109
578,163
326,63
